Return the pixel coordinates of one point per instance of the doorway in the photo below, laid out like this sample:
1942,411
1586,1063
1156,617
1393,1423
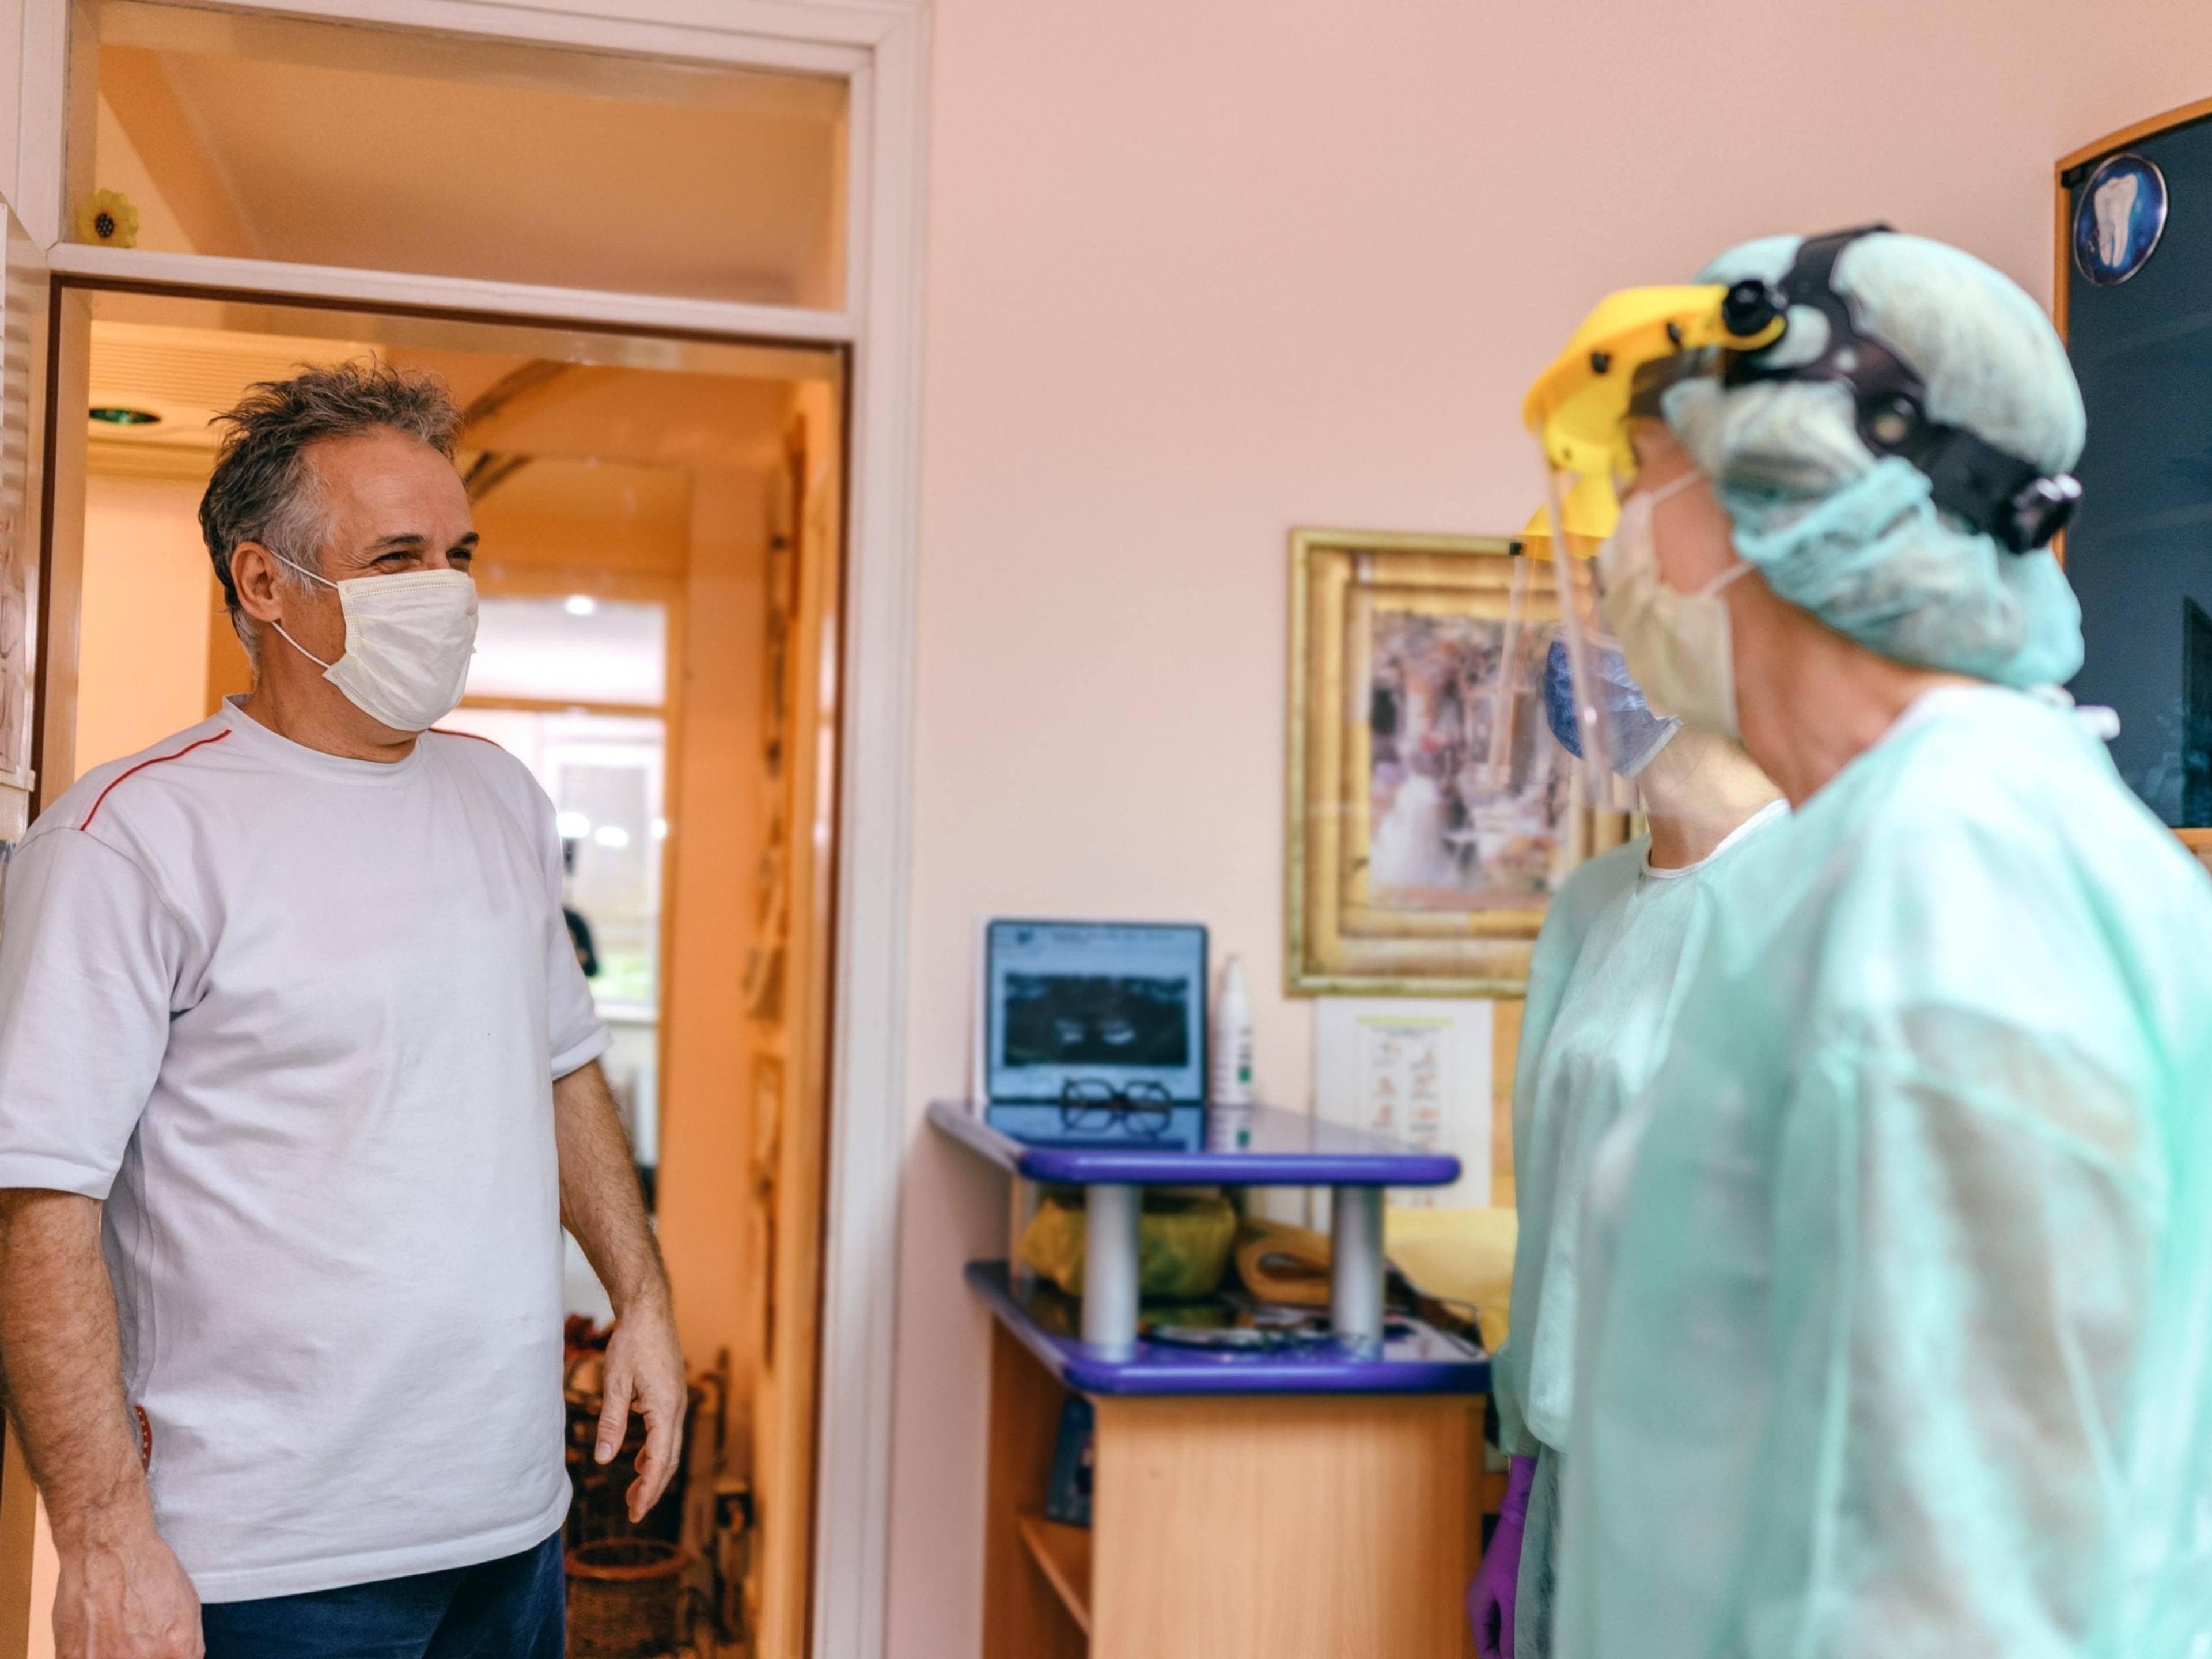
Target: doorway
660,586
874,130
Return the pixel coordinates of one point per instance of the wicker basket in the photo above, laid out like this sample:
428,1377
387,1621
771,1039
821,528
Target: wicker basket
625,1598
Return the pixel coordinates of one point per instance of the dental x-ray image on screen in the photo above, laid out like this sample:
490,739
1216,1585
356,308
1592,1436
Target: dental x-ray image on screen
1116,1003
1096,1019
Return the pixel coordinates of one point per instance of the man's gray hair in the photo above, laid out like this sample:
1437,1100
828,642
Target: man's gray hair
263,489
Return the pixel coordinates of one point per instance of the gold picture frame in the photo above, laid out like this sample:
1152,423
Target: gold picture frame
1430,814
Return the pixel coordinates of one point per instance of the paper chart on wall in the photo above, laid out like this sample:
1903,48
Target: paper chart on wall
1417,1070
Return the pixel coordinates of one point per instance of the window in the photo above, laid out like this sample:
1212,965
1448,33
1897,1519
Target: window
319,144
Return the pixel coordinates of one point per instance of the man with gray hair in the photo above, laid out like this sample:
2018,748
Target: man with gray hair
291,1032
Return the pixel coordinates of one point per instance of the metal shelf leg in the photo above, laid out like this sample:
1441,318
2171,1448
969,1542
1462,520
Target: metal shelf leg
1356,1265
1110,1268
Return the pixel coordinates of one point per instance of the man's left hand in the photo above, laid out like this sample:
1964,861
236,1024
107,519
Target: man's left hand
645,1373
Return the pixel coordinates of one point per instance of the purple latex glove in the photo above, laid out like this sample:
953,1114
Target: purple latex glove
1490,1597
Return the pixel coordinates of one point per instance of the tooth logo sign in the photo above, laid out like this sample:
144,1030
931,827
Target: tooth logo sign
2119,214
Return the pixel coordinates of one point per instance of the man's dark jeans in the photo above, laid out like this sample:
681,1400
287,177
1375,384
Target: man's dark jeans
512,1608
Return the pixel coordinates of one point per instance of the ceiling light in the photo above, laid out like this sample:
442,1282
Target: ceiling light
571,826
611,835
122,415
580,604
660,828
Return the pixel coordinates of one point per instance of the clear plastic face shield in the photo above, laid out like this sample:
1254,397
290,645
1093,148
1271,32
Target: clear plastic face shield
1593,709
1579,411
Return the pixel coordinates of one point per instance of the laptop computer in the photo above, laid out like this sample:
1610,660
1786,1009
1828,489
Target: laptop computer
1094,1032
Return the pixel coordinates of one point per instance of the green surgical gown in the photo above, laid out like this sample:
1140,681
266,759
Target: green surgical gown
1618,947
1907,1346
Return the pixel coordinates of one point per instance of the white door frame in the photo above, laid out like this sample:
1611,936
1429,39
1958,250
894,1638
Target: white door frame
881,47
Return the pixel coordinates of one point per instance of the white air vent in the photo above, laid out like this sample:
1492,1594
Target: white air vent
187,376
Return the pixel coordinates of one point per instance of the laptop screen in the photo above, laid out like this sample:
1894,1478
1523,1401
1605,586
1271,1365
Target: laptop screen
1116,1003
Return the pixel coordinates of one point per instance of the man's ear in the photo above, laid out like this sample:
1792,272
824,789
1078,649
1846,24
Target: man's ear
255,574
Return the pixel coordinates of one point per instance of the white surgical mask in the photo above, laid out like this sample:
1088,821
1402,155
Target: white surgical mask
1679,645
408,640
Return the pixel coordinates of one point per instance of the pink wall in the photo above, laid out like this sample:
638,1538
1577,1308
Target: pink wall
141,666
1201,273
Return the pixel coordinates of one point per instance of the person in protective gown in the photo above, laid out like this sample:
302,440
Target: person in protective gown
1907,1345
1617,941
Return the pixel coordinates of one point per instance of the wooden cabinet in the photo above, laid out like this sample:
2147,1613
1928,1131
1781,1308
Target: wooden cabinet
1242,1527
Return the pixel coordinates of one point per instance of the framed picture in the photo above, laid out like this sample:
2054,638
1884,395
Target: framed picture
1430,813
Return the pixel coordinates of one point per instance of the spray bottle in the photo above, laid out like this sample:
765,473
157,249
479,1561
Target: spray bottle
1229,1095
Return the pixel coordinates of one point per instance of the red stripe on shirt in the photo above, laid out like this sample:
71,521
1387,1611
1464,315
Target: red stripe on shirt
141,766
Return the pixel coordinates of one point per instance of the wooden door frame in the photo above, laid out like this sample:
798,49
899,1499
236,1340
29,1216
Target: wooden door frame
880,48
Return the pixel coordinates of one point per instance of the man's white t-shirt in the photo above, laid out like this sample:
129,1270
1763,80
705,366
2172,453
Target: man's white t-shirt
296,1019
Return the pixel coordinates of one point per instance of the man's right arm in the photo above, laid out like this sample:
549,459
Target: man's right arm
93,964
122,1593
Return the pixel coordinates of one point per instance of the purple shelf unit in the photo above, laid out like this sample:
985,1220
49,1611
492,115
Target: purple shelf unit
1413,1358
1288,1149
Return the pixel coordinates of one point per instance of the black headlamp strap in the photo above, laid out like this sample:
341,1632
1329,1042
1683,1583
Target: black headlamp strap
1990,489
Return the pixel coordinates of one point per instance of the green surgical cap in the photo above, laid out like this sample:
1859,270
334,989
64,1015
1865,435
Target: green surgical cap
1856,539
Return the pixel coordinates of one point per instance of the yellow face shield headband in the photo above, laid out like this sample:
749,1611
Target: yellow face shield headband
1578,408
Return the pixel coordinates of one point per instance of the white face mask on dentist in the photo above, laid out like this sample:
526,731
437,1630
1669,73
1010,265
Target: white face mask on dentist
1679,647
408,640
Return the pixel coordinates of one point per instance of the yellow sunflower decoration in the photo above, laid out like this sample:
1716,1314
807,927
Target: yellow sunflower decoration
107,216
